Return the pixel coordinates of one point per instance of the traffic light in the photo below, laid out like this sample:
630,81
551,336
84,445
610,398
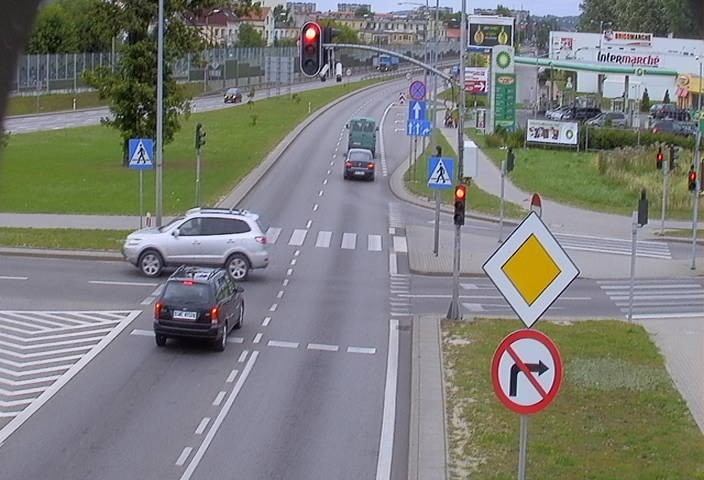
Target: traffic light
659,157
311,49
673,157
200,136
510,160
692,179
460,197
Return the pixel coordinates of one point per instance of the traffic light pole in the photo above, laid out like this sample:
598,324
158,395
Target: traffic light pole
453,312
697,191
665,178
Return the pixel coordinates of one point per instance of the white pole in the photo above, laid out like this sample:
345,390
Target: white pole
160,115
501,203
634,240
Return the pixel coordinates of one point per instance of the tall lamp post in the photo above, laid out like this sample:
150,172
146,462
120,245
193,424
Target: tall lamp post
209,38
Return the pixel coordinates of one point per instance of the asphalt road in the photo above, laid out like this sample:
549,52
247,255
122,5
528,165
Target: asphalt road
301,392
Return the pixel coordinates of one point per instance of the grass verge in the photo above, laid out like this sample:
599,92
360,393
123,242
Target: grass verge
478,200
617,416
63,238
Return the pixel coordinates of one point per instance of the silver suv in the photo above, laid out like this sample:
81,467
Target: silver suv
203,236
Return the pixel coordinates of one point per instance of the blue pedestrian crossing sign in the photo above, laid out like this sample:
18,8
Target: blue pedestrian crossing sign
440,172
141,152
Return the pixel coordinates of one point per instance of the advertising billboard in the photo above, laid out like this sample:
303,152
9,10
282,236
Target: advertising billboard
487,31
556,133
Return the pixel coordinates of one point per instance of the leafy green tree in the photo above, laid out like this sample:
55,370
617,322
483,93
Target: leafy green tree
597,13
53,31
645,101
92,34
250,37
362,11
131,87
344,33
544,27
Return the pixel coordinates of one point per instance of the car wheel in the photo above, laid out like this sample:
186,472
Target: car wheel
221,341
240,320
150,263
160,339
238,266
371,177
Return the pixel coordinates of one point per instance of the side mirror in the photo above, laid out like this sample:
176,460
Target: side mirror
347,126
175,232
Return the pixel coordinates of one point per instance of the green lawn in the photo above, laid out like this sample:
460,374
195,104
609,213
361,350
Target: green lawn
616,417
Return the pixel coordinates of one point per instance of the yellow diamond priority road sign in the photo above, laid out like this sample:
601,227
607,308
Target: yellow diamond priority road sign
530,269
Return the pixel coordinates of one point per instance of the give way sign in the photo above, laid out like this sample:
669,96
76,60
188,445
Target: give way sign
526,371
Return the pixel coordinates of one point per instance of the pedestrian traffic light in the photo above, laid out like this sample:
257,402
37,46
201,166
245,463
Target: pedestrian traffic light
659,157
692,179
460,197
200,136
311,49
510,160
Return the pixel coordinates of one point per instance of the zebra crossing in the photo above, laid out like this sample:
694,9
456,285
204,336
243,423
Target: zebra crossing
326,239
658,298
40,351
616,246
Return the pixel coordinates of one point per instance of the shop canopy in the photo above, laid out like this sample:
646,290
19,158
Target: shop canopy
594,67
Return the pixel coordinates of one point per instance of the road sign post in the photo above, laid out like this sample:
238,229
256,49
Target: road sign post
526,372
141,155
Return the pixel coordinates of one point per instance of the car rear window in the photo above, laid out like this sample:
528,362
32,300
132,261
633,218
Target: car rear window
360,156
184,292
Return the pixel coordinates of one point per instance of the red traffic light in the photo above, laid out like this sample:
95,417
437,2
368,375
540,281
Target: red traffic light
311,33
660,156
460,192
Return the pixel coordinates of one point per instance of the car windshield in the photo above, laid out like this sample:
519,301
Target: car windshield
166,227
187,293
359,156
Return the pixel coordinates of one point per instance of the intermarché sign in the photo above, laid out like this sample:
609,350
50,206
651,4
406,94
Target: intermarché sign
626,59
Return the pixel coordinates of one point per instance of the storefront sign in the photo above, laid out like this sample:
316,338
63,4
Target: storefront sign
546,131
632,39
629,59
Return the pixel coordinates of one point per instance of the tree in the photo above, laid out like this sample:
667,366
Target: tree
362,11
645,102
250,37
666,98
53,32
131,87
343,34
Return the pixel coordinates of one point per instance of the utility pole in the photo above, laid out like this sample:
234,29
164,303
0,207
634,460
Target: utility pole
160,116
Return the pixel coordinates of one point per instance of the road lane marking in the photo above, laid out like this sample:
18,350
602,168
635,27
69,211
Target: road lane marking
365,350
218,398
298,237
232,375
323,240
184,456
386,439
277,343
374,243
2,277
266,321
123,284
220,418
201,426
243,356
400,244
321,346
349,241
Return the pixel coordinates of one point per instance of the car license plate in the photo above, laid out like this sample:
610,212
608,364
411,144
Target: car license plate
184,315
360,172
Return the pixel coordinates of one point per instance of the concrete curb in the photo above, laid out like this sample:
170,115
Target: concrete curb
427,449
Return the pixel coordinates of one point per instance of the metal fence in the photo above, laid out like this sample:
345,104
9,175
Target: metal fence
225,67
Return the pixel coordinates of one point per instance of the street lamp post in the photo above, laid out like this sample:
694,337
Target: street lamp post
209,38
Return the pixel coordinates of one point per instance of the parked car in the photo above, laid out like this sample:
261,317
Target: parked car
218,237
609,119
359,163
669,111
198,302
673,126
233,95
556,113
581,114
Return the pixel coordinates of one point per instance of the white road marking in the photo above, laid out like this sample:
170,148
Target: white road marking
374,243
280,294
218,398
289,272
257,338
400,244
349,241
184,456
2,277
309,223
323,240
293,262
365,350
393,268
325,182
298,237
320,193
315,207
386,440
266,321
231,376
321,346
285,282
276,343
273,307
243,355
272,234
220,418
126,284
201,426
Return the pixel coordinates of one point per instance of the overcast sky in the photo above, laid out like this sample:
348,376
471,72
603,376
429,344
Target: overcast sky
558,8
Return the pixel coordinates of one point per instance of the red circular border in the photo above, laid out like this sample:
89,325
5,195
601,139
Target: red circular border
552,348
410,90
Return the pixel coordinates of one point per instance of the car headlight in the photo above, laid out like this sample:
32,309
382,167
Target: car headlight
133,242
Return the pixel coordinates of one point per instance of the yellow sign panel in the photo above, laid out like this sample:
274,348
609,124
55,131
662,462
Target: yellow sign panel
530,269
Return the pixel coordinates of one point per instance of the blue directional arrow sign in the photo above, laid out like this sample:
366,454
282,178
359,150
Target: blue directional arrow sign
440,172
417,109
419,128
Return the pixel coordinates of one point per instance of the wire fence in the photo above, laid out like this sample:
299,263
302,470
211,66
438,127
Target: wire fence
216,68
